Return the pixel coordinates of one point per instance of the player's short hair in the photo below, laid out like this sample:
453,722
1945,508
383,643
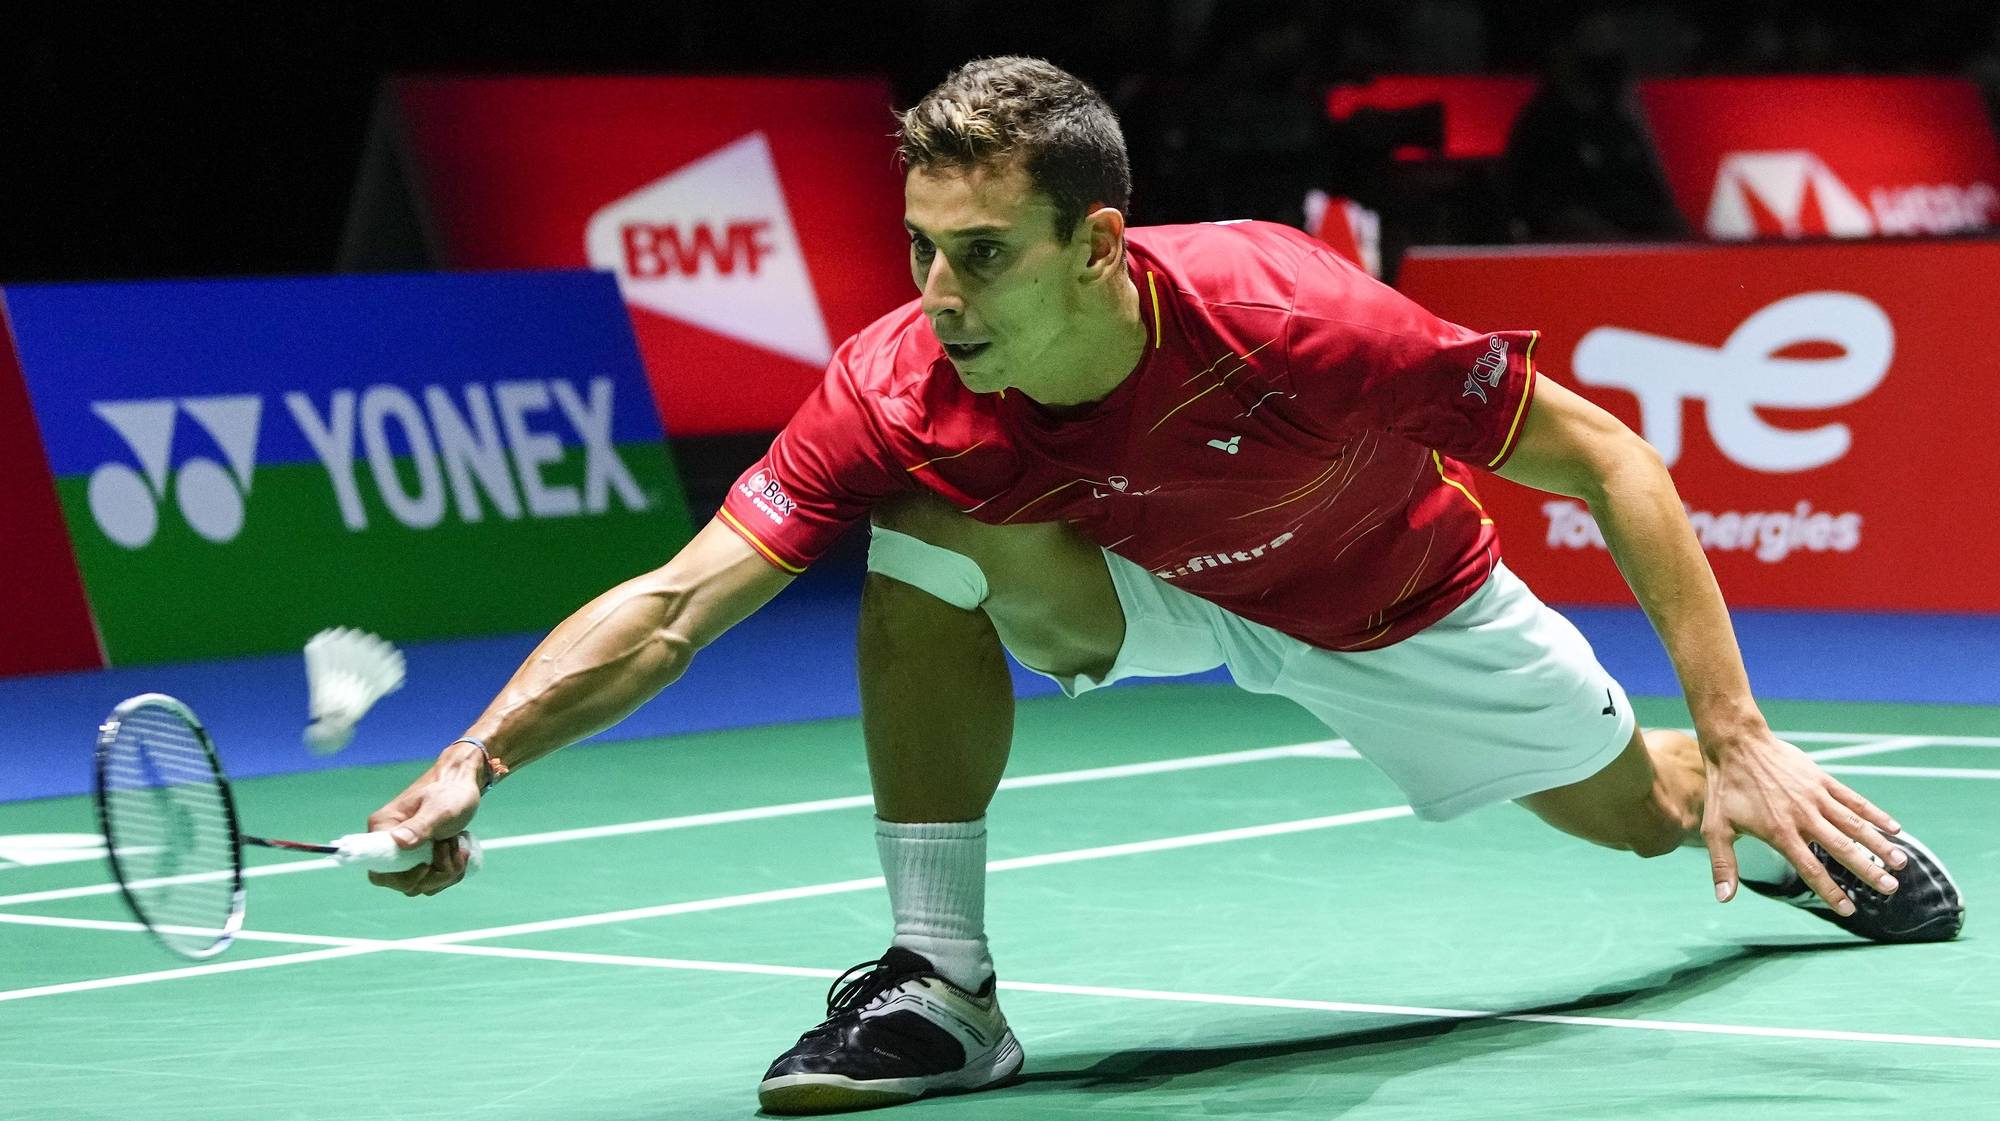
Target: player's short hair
997,109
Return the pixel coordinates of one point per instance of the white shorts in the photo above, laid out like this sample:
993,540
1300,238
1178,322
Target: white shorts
1500,699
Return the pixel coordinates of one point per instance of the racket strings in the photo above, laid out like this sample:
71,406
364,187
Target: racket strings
170,828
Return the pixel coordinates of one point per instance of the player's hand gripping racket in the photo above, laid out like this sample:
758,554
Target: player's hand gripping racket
171,831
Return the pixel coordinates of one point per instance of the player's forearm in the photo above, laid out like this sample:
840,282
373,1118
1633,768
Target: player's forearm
620,649
592,671
1636,505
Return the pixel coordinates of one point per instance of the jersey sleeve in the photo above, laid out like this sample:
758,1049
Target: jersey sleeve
827,468
1363,356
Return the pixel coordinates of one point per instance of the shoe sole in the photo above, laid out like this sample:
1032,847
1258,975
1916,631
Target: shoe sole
800,1094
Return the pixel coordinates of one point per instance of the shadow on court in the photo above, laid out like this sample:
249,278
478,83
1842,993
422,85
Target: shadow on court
1358,1063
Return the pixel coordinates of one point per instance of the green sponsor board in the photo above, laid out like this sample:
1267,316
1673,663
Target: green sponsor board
242,463
295,566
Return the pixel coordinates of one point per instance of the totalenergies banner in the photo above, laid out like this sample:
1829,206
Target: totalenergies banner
1826,409
240,463
752,223
1826,157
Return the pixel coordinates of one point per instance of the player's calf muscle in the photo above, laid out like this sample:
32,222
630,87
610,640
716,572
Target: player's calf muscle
1643,802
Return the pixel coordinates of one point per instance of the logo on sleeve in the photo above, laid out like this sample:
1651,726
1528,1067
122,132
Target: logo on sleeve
1488,370
768,496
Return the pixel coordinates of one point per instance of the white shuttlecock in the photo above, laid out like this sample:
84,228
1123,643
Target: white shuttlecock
347,671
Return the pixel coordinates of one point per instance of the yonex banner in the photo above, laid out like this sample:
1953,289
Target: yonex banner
753,223
1825,409
1818,157
243,462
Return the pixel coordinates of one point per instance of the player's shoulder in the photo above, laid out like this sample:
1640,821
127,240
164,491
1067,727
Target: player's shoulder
890,356
1238,263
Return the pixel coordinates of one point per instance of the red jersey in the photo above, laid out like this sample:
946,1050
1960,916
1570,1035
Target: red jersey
1293,446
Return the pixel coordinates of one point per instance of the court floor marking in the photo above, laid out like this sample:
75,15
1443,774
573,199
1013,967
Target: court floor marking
1916,772
1317,749
1873,743
1094,991
574,922
1873,747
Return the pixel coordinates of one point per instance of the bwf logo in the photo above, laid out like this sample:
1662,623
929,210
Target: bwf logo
210,495
712,244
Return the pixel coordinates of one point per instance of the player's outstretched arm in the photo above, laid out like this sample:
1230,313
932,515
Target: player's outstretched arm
1757,784
593,670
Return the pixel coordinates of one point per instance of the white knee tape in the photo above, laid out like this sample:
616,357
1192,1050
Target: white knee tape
952,577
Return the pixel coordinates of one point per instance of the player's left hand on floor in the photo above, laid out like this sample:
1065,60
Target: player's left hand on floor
1760,786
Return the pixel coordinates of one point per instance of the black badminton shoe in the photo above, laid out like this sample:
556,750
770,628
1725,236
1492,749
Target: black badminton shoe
1925,907
895,1031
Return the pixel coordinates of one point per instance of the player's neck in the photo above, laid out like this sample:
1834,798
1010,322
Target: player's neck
1098,355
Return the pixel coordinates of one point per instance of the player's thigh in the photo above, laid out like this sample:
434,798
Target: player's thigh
1500,700
1050,594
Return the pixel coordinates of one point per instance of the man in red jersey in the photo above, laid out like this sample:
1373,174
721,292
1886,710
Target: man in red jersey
1142,452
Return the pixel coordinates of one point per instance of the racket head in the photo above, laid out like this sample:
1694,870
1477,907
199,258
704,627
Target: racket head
170,826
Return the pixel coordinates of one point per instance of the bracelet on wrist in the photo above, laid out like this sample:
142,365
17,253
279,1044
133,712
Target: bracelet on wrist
495,769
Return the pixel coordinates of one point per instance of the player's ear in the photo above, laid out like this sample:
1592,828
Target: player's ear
1104,229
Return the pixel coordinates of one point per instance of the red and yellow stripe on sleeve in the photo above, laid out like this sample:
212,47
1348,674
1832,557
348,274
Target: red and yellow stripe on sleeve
757,543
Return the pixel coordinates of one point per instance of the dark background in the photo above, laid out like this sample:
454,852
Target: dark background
205,139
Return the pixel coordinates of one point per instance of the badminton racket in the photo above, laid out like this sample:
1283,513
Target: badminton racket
172,835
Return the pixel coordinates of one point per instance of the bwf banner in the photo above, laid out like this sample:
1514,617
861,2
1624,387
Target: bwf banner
1825,409
1791,157
240,463
752,223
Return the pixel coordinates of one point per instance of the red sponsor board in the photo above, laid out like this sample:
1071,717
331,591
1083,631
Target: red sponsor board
1827,409
753,223
45,622
1479,110
1818,157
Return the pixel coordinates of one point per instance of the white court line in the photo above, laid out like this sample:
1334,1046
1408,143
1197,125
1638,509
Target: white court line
1321,749
574,922
1096,991
1915,772
1071,856
1325,749
1876,747
184,971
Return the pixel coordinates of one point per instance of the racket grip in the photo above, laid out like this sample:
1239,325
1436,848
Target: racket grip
378,852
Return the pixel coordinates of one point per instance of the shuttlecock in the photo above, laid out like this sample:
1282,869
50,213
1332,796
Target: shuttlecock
347,671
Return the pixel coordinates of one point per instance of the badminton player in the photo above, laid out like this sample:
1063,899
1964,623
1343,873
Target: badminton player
1124,452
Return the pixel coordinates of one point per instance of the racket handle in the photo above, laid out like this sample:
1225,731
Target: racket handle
378,852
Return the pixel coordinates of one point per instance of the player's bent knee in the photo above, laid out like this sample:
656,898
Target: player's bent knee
952,577
1623,806
1653,836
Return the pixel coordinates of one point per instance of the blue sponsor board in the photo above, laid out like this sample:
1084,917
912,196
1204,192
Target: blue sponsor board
426,456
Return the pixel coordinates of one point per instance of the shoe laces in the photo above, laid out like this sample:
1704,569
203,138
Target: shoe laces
862,985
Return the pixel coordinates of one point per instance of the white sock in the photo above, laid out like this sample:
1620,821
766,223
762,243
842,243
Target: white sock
1760,863
937,892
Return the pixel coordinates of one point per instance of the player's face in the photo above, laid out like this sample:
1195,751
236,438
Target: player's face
998,287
